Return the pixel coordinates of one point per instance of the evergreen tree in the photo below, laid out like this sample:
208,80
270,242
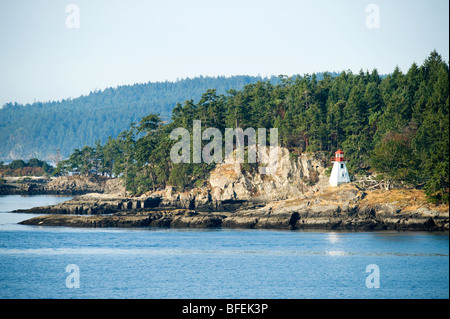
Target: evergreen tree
396,126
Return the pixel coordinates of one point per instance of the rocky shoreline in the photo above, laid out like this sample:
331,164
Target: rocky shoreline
296,196
341,208
64,185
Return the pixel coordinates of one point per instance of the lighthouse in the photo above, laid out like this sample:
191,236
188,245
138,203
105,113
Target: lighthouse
339,174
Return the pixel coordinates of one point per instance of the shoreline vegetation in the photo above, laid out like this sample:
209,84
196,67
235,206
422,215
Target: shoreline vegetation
394,131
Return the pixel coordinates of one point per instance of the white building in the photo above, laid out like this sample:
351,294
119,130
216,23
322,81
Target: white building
339,173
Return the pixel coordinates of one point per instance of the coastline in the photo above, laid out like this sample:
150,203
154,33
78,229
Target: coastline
341,208
192,219
64,185
101,202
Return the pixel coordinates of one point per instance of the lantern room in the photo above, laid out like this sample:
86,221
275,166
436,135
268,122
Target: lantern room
339,156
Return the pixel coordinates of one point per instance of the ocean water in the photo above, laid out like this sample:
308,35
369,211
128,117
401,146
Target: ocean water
12,202
160,263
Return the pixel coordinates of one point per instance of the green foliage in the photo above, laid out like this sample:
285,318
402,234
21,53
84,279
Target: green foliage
180,176
396,126
392,157
34,167
17,164
40,129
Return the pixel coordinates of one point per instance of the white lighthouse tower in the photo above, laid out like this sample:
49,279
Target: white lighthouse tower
339,174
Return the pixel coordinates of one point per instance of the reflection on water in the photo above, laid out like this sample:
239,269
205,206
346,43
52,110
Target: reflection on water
333,237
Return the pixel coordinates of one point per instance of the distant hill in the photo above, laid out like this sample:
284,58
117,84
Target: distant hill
41,129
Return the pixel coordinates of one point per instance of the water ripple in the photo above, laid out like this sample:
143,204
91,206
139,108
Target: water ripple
159,251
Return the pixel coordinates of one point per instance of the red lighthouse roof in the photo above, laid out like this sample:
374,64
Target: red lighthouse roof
339,156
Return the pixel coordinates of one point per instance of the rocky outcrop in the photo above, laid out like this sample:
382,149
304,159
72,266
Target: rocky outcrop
96,204
341,208
290,178
6,189
230,187
202,200
77,184
164,218
27,185
63,185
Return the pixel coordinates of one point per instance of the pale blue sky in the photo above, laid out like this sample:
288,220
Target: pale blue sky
129,41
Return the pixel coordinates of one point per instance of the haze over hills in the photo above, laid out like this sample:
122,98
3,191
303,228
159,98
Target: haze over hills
44,129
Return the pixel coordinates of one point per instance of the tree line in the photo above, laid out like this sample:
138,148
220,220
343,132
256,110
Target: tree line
395,127
33,167
43,129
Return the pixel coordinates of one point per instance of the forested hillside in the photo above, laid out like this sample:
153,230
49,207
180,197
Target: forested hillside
396,126
41,129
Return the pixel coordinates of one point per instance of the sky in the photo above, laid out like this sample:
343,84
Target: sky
57,49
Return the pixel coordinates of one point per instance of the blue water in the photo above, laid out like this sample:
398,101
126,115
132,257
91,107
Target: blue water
219,263
12,202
